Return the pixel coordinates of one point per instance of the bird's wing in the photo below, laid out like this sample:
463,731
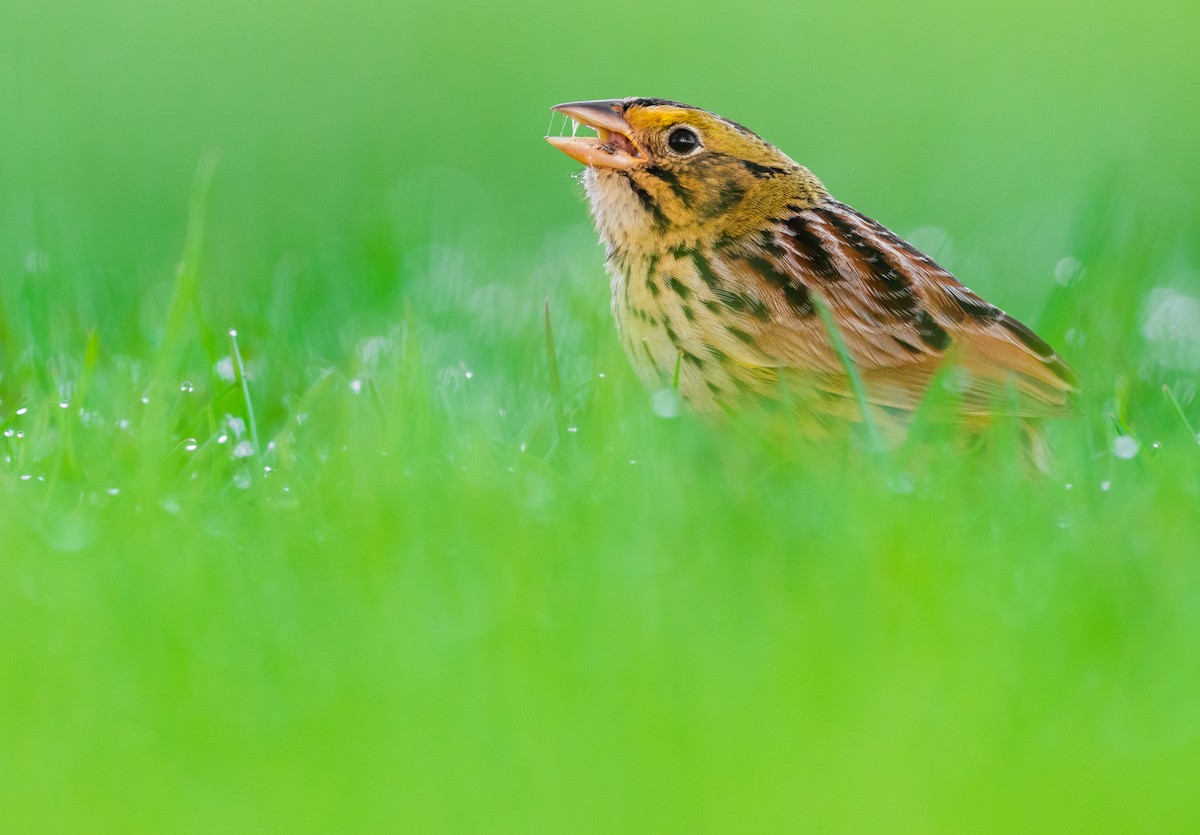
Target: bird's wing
900,314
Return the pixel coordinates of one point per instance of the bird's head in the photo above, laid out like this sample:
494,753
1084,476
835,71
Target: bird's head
659,170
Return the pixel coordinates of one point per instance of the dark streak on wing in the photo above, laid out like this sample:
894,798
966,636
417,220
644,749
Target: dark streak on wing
768,243
971,305
931,332
885,282
1039,347
891,238
808,245
794,291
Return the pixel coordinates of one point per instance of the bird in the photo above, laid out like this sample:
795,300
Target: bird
737,279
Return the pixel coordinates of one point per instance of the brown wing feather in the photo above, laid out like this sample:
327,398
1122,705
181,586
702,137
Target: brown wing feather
900,314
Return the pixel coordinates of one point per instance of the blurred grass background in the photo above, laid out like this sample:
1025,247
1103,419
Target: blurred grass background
383,585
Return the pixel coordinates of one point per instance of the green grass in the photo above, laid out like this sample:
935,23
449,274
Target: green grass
374,564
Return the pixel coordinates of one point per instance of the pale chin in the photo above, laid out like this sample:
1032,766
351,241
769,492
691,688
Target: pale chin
618,215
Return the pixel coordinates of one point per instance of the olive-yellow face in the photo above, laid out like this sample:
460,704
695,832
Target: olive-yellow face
657,167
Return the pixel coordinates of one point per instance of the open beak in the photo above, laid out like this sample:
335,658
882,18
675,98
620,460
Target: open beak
611,147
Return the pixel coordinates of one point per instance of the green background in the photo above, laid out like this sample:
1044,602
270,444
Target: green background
399,580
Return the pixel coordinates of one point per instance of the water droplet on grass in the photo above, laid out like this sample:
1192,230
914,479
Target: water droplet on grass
1124,446
1172,327
356,386
186,387
244,449
665,403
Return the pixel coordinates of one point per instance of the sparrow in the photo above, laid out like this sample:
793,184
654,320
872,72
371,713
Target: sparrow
738,279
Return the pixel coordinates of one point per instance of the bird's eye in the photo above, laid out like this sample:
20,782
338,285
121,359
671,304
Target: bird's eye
683,140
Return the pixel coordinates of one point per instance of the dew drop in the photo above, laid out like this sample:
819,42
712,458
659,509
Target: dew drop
1124,446
665,403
